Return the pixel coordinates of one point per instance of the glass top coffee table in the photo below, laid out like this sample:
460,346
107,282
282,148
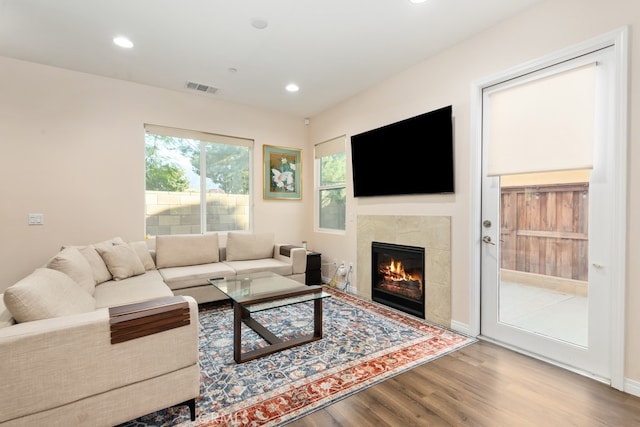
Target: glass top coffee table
251,293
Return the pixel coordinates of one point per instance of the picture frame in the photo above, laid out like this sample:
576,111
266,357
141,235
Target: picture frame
281,173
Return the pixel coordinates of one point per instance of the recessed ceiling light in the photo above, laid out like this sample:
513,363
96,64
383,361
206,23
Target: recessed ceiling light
259,23
292,87
123,42
417,1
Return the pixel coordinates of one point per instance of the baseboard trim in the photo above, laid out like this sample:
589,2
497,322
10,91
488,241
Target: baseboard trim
632,387
463,328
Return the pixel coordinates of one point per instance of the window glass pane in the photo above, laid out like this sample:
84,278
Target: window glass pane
227,172
333,169
332,208
172,187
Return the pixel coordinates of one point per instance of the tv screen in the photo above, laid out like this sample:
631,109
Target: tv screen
412,156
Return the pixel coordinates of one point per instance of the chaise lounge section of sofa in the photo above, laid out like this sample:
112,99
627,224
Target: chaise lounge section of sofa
60,366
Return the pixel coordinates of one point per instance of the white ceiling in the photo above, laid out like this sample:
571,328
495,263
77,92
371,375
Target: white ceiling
332,49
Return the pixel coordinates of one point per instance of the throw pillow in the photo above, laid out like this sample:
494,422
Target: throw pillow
246,246
71,262
142,250
100,271
6,318
121,260
178,250
109,243
44,294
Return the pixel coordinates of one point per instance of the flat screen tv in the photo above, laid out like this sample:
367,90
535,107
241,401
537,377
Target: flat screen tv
412,156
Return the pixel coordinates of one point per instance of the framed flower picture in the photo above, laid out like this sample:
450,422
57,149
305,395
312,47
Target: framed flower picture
282,171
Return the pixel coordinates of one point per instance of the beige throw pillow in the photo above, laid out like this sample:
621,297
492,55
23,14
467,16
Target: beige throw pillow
142,250
6,318
121,260
72,263
178,250
44,294
101,273
246,246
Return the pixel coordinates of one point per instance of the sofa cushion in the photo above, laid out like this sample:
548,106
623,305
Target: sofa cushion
44,294
72,263
186,249
121,260
134,289
258,265
245,246
142,250
194,275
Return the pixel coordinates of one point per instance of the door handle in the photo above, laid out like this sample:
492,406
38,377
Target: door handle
487,239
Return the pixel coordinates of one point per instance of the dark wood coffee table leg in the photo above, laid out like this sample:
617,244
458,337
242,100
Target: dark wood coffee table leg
242,315
317,318
237,332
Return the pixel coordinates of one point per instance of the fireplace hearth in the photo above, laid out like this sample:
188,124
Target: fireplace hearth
397,277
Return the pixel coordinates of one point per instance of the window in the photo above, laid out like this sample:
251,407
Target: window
331,178
196,182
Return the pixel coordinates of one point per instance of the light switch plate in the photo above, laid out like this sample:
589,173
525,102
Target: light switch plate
36,219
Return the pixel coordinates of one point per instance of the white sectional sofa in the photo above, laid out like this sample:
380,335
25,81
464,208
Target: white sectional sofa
59,362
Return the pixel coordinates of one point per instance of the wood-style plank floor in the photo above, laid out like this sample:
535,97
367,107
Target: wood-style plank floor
482,385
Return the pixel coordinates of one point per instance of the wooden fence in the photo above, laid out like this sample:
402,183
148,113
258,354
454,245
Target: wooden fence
544,230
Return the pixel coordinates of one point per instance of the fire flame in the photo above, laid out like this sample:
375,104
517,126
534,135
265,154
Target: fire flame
396,280
395,272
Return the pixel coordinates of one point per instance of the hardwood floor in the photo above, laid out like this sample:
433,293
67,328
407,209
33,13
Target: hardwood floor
482,385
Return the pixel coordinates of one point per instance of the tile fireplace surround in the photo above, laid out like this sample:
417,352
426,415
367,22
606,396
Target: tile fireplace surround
430,232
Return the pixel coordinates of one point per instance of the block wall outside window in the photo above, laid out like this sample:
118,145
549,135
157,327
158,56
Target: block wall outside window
165,216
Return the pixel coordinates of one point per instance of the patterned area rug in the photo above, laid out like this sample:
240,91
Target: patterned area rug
363,343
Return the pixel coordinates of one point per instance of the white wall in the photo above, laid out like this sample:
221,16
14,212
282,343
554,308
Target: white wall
72,148
446,79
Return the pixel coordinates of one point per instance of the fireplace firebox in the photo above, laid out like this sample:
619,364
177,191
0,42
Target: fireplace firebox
397,277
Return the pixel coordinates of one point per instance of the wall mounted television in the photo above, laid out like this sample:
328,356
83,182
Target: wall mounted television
412,156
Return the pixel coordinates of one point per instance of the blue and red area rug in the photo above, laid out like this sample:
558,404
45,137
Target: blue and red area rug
363,343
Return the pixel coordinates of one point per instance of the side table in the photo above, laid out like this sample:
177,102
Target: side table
313,275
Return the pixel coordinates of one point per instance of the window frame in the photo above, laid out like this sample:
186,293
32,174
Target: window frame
205,138
325,149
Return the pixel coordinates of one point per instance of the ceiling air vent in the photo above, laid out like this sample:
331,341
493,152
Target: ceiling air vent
201,88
